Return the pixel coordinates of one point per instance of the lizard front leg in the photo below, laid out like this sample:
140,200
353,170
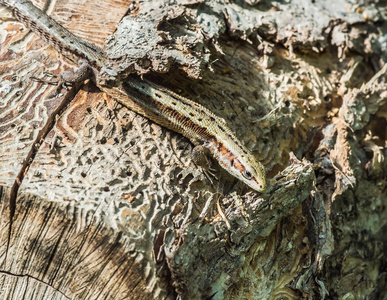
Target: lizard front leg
201,157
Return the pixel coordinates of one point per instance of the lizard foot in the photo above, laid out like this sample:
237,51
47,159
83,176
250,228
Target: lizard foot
68,78
200,156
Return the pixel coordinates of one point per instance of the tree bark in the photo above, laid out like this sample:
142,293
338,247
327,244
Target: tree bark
109,204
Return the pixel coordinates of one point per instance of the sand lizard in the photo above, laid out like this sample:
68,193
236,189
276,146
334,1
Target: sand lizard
159,104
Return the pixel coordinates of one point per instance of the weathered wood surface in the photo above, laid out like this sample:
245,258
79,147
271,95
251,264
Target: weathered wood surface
109,205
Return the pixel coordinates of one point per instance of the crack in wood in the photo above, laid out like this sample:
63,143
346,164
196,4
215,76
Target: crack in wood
68,97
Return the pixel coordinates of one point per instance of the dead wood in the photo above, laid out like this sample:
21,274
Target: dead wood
110,205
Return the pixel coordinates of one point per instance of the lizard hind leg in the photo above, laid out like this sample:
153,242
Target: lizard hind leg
79,74
201,158
68,77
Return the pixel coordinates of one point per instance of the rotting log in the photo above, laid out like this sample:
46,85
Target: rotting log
110,205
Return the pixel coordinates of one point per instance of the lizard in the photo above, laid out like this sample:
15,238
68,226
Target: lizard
161,105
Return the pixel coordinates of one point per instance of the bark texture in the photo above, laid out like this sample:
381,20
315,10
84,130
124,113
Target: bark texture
110,205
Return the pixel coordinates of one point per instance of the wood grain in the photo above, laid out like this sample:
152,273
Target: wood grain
110,204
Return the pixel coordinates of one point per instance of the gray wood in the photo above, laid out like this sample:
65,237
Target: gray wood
111,205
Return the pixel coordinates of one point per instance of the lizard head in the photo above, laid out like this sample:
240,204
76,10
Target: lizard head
242,164
250,171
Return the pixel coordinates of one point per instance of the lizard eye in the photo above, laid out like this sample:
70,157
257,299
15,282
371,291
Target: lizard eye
246,174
